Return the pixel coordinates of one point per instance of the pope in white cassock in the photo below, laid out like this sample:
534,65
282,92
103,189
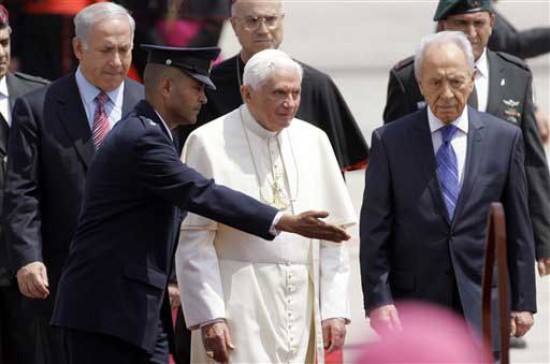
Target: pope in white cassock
249,300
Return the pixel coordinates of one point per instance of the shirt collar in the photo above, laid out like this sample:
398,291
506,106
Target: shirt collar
461,122
165,126
89,92
253,125
4,87
482,65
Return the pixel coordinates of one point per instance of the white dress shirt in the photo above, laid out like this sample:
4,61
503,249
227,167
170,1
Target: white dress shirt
5,109
459,141
482,81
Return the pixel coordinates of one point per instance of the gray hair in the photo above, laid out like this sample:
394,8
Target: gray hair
95,13
234,4
455,37
265,63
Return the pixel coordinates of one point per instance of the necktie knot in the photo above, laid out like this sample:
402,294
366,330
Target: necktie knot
100,125
102,98
448,132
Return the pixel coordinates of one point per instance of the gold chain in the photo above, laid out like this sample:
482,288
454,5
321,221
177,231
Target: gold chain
276,201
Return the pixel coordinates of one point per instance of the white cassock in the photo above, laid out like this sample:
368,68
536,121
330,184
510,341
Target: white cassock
272,294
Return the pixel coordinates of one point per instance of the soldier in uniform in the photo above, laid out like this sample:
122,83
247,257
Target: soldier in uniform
503,87
13,339
526,43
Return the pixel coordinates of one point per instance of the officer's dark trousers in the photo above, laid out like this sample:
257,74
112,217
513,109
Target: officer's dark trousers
93,348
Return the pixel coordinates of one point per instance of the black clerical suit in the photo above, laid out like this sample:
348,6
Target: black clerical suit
14,334
510,98
50,149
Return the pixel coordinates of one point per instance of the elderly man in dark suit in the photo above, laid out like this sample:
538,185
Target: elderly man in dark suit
55,134
13,325
432,177
503,88
112,296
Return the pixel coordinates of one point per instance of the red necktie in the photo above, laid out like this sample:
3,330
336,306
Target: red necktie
100,126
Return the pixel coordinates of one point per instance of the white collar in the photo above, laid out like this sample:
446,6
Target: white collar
165,126
482,65
4,87
253,125
461,122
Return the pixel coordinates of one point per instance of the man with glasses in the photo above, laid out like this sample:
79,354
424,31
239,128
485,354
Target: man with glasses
258,25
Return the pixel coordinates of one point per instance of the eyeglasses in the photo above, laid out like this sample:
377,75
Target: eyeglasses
253,22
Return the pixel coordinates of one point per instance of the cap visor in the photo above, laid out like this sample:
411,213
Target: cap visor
202,78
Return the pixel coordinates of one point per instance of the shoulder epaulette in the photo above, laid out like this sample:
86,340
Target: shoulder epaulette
145,120
513,59
403,63
31,78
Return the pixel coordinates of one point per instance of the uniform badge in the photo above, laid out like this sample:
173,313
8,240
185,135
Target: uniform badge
511,112
474,3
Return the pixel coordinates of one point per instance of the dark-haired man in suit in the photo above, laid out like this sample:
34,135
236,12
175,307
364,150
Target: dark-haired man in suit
13,325
55,134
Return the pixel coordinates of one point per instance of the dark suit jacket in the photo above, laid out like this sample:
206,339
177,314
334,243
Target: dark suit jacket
511,99
18,85
523,44
121,256
50,150
410,249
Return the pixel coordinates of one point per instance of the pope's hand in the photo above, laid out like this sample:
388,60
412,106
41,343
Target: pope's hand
334,334
33,280
310,225
217,341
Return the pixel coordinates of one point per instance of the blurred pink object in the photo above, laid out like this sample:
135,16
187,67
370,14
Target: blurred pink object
431,334
178,33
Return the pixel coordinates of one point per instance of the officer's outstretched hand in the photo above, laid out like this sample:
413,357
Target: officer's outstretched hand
310,225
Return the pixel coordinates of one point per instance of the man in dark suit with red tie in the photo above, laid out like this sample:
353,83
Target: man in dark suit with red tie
432,177
51,148
13,325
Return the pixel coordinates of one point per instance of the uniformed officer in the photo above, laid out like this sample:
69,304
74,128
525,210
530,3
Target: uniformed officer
503,87
111,301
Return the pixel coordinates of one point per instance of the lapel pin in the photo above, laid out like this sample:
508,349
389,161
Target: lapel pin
503,82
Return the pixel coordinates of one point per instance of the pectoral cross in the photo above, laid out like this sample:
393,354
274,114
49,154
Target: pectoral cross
278,202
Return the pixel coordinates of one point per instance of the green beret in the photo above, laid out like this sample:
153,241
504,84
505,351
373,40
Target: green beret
447,8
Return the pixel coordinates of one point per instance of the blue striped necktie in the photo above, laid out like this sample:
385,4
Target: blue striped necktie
447,169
